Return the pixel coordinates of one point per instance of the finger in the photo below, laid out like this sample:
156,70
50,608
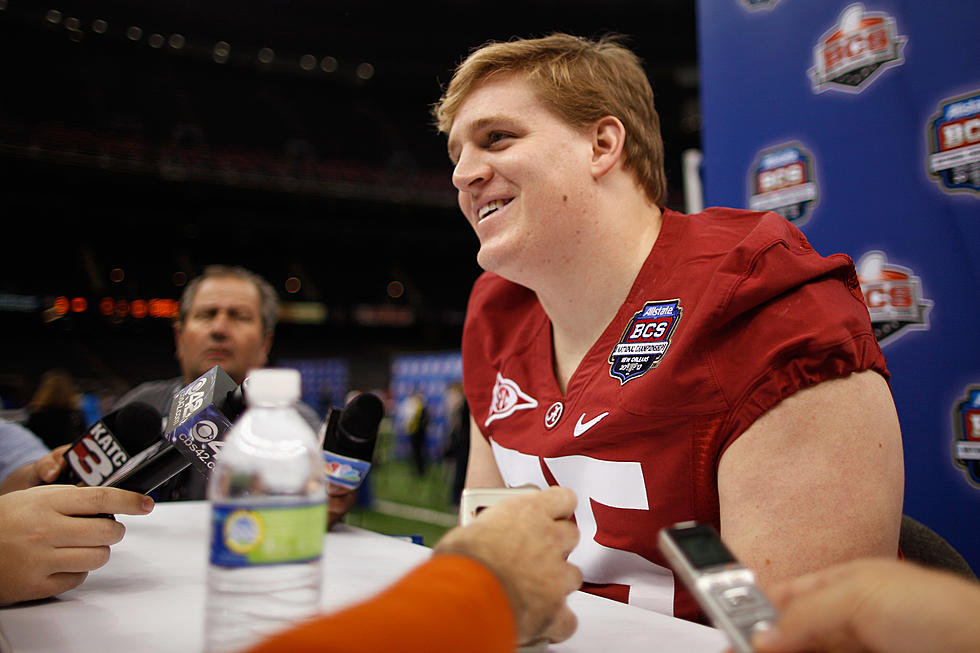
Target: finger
62,582
335,490
49,467
781,594
88,531
563,626
339,505
79,559
820,614
558,502
53,585
101,500
571,577
567,536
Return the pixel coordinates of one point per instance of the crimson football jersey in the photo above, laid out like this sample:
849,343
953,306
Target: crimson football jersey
732,312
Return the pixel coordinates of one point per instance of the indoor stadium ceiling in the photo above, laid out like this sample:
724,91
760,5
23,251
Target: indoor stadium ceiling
291,137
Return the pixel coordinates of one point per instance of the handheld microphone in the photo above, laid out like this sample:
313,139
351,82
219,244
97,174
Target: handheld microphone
348,443
151,469
200,419
201,414
110,443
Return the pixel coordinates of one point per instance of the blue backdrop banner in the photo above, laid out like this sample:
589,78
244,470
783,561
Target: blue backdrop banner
860,122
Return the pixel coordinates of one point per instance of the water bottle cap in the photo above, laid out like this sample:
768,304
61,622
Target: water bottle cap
273,385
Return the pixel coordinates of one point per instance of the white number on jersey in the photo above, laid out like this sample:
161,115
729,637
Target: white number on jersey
612,483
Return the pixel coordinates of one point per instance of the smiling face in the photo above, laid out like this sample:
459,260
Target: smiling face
523,178
223,326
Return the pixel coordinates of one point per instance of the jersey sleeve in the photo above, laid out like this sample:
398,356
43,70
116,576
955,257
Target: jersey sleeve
788,319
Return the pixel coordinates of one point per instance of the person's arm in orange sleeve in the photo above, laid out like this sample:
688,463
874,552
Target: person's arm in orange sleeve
500,581
449,603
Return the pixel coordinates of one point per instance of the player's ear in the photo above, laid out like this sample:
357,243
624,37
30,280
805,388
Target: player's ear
608,136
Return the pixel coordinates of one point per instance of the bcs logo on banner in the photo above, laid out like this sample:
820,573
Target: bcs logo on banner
954,143
782,180
856,51
966,447
760,4
894,297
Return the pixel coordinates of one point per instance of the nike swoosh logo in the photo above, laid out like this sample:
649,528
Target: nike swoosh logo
581,427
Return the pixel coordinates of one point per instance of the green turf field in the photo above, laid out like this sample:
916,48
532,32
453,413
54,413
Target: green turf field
404,504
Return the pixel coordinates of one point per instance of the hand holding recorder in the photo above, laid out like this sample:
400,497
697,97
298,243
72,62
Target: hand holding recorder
525,537
349,439
724,589
876,605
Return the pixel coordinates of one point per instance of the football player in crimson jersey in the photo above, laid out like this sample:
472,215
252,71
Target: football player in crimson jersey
665,367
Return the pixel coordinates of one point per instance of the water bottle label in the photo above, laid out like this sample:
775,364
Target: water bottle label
243,537
341,470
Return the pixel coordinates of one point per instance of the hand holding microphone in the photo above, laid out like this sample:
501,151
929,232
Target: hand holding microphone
125,449
45,549
46,469
348,448
48,539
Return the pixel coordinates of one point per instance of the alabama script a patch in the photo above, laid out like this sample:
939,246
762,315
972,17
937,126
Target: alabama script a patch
645,340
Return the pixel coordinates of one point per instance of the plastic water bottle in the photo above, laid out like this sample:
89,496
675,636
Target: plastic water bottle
268,518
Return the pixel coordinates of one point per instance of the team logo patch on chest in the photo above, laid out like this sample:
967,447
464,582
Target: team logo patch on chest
645,340
508,397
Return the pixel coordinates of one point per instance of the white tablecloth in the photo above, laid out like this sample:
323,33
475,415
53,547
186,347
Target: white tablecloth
150,596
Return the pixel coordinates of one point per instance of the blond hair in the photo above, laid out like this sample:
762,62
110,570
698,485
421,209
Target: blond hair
581,80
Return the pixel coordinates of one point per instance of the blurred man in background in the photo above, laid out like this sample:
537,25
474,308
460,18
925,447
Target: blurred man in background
227,318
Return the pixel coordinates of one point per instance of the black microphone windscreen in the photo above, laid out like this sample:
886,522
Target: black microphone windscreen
109,443
138,424
357,430
362,415
235,403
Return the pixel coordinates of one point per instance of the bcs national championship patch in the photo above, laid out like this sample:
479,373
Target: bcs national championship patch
645,340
